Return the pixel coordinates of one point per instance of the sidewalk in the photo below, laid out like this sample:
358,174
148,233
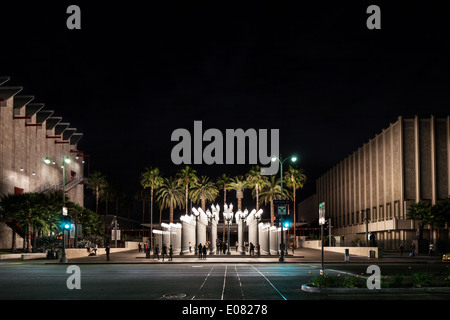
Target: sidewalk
302,255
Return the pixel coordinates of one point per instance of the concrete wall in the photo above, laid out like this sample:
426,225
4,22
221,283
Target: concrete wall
407,162
24,145
357,251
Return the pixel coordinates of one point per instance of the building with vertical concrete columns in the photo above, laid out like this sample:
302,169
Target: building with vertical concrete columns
407,162
29,133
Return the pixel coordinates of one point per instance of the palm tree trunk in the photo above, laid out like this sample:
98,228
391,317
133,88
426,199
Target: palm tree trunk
224,203
151,218
187,202
171,212
293,192
271,213
257,197
96,199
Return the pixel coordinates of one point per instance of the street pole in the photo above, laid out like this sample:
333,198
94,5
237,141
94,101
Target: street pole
321,240
282,259
63,256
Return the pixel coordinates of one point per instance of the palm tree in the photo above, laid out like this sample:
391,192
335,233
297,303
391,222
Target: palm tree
171,195
223,182
204,190
151,178
186,177
257,181
272,191
97,182
239,184
295,179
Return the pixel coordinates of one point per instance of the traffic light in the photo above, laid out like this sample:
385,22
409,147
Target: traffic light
66,222
286,224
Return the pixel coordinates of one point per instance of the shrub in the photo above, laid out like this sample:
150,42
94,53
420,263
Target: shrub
420,280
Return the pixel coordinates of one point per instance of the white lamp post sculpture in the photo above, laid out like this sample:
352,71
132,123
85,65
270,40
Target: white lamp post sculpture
228,217
196,214
240,219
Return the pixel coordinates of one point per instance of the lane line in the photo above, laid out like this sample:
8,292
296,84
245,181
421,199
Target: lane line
224,281
270,283
240,283
204,281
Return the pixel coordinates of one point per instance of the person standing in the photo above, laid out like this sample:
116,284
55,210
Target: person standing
190,247
164,251
107,249
170,252
200,251
402,247
205,249
157,251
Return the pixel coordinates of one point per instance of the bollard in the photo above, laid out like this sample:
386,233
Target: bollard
347,255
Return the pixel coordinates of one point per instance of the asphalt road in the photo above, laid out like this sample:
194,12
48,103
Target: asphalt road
187,282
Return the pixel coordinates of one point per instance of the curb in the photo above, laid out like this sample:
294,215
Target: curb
317,290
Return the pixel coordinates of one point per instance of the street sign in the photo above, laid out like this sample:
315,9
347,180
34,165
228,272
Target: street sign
282,210
285,202
322,213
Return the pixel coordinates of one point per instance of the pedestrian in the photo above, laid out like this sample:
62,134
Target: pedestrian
140,247
258,249
164,251
170,253
413,249
402,247
87,247
95,250
200,251
220,247
190,247
107,249
431,248
205,248
236,245
224,247
157,251
252,249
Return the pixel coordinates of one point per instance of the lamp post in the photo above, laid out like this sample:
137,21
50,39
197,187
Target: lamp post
279,159
228,217
241,216
196,214
214,216
258,219
65,160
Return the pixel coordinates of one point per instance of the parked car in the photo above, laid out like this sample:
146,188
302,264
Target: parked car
446,257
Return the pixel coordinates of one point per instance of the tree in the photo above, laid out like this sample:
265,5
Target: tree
97,182
421,212
204,190
256,181
272,191
239,184
186,177
295,179
223,182
171,195
151,178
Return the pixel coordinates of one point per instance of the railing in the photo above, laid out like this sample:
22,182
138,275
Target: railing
48,188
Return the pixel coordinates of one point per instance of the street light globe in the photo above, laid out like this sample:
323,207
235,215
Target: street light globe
67,160
274,159
293,159
47,160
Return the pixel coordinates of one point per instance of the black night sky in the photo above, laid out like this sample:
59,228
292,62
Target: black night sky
135,72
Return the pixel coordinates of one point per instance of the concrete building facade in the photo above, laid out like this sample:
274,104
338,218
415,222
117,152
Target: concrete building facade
28,135
407,162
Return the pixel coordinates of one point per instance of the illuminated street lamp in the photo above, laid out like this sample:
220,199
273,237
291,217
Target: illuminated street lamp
65,160
293,159
228,217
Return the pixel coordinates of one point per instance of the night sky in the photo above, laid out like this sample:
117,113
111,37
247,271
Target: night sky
136,72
